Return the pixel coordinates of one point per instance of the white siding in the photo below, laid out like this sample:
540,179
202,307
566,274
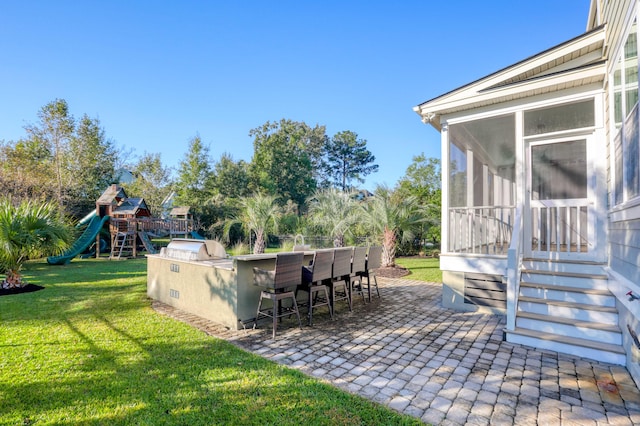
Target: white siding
624,229
625,248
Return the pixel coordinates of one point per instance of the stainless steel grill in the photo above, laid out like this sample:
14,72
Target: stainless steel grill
193,250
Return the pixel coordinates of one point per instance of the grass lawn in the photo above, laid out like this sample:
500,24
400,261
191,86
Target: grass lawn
88,349
422,268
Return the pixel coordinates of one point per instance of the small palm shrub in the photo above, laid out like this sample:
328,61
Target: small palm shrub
259,215
29,230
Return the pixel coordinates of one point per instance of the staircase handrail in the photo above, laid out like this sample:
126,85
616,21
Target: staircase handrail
514,262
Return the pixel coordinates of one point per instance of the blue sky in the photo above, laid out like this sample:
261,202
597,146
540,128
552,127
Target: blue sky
158,73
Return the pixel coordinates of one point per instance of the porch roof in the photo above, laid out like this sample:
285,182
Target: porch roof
577,62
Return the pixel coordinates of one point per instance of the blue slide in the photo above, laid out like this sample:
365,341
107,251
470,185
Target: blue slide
87,238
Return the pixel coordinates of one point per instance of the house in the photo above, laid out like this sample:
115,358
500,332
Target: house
125,176
541,192
167,205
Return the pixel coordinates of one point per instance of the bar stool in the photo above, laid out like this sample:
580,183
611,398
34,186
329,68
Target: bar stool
358,267
314,278
278,283
374,261
339,283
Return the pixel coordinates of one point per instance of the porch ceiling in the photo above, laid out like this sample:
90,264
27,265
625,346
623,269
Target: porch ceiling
577,62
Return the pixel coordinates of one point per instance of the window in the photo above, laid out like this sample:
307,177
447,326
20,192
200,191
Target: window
625,78
619,193
625,108
631,165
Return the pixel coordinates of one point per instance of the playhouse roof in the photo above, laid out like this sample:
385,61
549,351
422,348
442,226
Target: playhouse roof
131,206
113,192
180,211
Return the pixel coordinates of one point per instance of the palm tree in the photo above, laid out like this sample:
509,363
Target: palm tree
259,214
28,230
391,217
335,212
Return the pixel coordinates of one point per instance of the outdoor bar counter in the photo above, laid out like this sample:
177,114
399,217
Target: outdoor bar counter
216,288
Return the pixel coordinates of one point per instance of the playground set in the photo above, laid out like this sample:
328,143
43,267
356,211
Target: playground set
130,226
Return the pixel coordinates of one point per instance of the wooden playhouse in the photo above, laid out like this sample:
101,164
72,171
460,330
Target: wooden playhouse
131,222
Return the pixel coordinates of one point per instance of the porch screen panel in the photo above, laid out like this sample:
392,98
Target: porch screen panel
457,176
559,171
481,185
558,193
561,117
458,220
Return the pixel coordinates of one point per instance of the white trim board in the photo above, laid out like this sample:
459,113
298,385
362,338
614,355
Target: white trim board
473,264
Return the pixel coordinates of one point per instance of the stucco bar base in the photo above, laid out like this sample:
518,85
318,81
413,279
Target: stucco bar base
220,291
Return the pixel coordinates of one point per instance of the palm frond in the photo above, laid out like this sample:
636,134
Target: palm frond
30,230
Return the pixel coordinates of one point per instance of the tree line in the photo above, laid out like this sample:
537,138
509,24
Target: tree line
304,174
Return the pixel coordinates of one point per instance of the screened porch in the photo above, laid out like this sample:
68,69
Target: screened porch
549,178
481,160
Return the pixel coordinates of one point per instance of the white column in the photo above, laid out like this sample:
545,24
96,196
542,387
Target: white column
520,175
519,188
469,178
485,185
597,161
444,168
497,191
469,232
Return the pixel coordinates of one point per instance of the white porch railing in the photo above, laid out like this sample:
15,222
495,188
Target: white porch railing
514,260
560,226
480,230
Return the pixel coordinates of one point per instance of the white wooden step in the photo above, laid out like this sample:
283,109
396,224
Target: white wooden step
599,332
570,310
575,266
601,297
598,351
568,279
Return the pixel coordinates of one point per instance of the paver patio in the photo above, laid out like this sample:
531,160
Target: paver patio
445,367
